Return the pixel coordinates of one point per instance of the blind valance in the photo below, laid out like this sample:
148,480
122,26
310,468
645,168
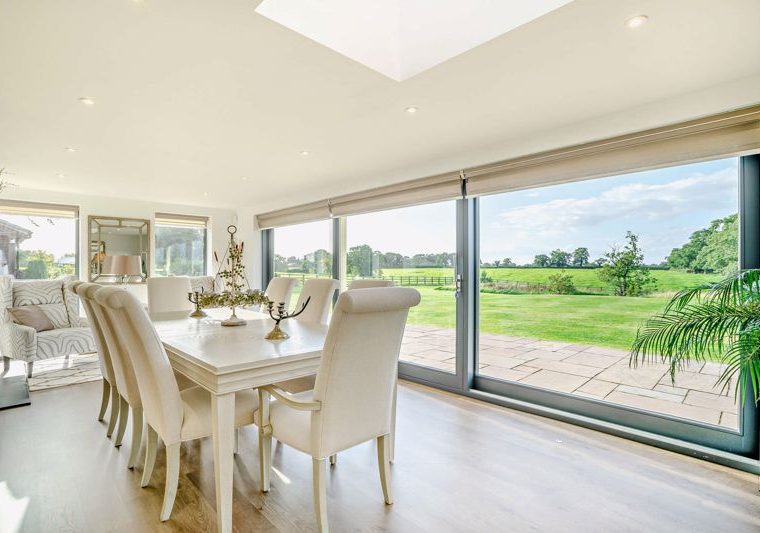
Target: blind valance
735,134
35,209
727,134
185,221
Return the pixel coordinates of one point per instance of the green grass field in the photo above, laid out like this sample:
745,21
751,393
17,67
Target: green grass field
667,280
599,320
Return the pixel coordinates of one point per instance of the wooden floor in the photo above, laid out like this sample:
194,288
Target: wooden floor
461,465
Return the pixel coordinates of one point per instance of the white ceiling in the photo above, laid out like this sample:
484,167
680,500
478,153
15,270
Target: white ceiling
401,38
192,96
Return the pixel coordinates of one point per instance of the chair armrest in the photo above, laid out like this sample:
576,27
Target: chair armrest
291,401
17,341
79,322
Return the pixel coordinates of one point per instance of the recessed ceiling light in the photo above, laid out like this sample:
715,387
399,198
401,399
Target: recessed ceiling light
244,178
305,153
70,149
412,109
205,194
86,100
61,175
637,21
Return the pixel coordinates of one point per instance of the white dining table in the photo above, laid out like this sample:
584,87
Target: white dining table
224,360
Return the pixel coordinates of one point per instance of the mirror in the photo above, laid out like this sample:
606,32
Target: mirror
119,249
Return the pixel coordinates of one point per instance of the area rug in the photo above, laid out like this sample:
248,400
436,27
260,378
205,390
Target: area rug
61,371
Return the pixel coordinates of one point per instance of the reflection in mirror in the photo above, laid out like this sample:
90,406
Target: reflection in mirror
119,249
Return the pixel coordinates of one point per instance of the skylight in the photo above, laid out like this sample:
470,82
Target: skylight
401,38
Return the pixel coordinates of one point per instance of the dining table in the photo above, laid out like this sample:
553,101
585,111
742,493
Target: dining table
227,359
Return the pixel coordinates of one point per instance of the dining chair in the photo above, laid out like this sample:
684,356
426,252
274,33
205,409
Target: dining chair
321,291
169,294
126,383
352,400
280,289
369,283
172,414
110,390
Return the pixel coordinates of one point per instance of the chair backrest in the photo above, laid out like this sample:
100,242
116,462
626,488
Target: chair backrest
321,292
369,283
281,290
169,294
161,401
49,295
356,378
126,382
104,356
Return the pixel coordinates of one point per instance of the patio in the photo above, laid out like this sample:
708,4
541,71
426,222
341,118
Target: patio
582,370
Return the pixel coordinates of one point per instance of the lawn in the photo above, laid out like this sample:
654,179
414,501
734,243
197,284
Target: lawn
599,320
667,280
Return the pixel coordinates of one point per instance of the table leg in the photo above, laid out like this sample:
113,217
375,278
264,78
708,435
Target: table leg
265,440
223,427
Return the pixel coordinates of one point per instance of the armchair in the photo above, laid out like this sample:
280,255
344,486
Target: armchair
71,333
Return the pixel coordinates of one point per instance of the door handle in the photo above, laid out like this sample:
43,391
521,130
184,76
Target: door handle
458,285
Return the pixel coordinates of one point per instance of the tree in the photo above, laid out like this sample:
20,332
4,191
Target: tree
580,257
507,262
359,261
624,269
496,263
560,283
541,260
559,259
714,248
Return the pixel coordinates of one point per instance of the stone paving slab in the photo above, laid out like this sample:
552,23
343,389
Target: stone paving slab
595,372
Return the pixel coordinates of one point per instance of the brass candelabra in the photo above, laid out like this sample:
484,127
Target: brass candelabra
277,334
195,299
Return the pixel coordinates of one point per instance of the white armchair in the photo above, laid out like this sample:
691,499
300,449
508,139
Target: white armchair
71,333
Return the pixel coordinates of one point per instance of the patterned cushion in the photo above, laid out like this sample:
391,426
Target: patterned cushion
57,342
48,295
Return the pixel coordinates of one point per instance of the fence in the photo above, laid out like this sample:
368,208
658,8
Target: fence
401,281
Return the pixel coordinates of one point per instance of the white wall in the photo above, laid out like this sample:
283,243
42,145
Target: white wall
88,205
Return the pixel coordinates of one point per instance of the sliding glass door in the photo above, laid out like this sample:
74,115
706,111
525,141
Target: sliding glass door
415,247
568,273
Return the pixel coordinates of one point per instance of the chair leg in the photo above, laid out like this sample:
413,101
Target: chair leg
384,465
137,427
29,367
172,480
104,400
114,411
6,364
319,475
123,415
235,442
150,455
333,459
392,443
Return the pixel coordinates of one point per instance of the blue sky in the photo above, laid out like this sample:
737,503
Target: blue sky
662,206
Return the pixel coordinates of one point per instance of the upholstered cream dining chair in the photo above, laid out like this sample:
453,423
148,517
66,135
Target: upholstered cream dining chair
110,390
173,415
352,400
280,289
321,291
169,294
369,283
126,383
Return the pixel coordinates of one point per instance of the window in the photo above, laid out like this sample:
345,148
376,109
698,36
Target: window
415,247
568,273
181,245
304,251
38,241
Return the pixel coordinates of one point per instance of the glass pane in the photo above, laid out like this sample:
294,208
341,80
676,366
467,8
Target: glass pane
569,272
416,247
304,251
37,247
180,251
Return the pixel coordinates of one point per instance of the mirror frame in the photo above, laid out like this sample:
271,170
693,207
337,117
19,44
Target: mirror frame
94,222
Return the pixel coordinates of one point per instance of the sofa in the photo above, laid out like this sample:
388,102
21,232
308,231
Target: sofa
70,334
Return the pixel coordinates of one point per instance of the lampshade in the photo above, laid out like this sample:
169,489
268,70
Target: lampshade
122,265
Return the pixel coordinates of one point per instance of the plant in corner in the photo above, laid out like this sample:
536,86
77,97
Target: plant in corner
718,321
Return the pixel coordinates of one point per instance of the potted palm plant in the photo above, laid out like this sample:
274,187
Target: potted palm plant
717,322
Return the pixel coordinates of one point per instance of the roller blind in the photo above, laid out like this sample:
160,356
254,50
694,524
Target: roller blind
185,221
736,133
728,134
34,209
294,215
